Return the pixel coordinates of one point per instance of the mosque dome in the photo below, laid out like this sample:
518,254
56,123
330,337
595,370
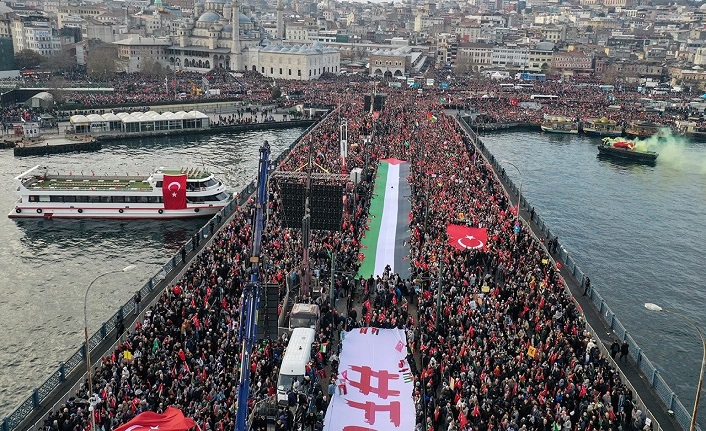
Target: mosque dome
244,19
228,28
209,16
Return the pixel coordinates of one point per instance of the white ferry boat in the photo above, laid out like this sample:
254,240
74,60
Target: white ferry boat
164,194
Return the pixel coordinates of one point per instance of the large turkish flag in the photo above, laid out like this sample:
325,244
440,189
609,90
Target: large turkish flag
172,420
463,237
174,192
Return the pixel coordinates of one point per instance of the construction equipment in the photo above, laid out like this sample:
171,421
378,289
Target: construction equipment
250,300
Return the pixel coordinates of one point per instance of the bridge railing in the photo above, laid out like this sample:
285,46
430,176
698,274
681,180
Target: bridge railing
657,382
39,395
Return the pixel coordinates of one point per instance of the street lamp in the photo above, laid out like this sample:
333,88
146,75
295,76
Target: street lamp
92,400
519,195
654,307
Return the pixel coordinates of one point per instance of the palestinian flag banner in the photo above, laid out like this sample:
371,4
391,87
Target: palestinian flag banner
387,240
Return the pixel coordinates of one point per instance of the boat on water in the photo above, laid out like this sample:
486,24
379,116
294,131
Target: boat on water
164,194
602,127
692,130
559,124
625,150
642,129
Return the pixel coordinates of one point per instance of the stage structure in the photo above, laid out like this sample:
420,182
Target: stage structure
310,200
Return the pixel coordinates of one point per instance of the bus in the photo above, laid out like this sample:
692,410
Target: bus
531,77
297,355
543,97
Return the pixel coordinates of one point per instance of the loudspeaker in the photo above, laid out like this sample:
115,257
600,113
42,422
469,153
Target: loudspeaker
293,201
379,102
268,317
366,100
326,206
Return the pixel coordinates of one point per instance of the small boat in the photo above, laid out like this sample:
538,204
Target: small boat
642,129
164,194
602,127
625,150
559,124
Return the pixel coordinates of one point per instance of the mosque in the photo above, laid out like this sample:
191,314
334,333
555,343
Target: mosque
220,35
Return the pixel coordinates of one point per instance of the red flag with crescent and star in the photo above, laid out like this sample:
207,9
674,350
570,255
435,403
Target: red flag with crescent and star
463,237
171,420
174,192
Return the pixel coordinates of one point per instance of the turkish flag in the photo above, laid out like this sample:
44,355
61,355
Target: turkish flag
172,420
174,192
514,101
463,237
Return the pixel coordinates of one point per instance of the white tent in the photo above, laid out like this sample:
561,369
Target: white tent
40,100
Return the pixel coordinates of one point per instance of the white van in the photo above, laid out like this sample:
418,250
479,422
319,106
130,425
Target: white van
304,316
297,355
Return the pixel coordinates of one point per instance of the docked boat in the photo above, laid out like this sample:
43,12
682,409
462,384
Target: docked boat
642,129
625,150
692,130
558,124
164,194
602,127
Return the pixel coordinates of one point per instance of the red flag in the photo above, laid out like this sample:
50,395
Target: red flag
463,237
174,192
514,101
172,420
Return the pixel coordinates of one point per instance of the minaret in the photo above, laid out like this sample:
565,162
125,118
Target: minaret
235,51
280,20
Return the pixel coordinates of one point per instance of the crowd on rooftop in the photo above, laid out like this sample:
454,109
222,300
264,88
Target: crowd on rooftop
472,362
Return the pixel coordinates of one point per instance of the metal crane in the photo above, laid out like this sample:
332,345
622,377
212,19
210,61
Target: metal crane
250,300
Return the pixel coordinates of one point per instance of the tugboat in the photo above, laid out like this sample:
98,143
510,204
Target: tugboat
625,150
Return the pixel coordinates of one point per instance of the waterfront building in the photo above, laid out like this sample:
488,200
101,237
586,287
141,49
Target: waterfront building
390,63
34,32
572,63
474,57
134,52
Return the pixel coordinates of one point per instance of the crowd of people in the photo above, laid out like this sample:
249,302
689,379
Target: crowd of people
508,350
498,101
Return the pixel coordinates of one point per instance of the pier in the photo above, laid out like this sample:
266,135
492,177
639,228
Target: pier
56,145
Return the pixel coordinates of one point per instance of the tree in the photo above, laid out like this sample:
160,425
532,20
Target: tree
28,59
276,93
151,67
56,85
101,61
59,62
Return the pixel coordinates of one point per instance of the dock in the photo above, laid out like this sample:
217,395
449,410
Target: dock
56,145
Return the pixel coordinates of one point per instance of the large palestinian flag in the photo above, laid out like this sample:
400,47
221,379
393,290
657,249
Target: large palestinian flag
387,240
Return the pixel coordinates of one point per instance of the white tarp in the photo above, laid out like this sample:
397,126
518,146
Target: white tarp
374,385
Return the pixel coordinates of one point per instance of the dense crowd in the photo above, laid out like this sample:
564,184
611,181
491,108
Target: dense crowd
498,101
508,350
